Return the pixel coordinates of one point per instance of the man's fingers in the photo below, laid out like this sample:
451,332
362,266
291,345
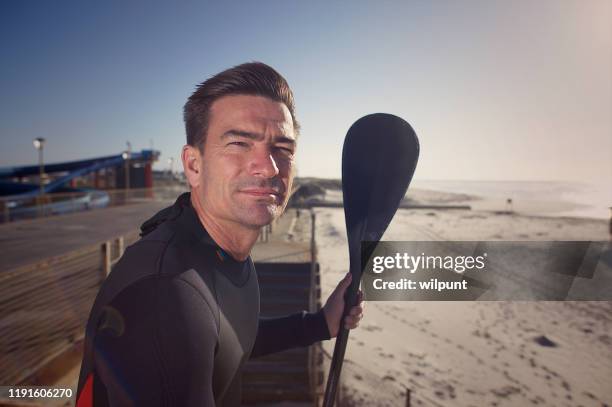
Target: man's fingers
352,319
356,310
351,325
344,283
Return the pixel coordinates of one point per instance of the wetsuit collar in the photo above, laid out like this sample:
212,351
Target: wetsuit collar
190,221
183,213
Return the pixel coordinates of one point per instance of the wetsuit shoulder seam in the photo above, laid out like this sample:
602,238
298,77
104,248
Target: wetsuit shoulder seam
160,259
213,309
210,307
129,253
161,273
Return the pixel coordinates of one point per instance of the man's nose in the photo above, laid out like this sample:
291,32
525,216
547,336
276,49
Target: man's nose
263,163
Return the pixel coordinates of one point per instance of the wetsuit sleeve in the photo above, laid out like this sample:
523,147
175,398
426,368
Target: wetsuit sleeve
300,329
155,346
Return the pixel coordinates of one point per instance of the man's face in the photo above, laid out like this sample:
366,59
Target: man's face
247,167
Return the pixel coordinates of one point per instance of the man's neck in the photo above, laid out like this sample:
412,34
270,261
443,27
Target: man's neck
233,238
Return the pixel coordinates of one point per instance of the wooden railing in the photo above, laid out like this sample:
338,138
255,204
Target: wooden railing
44,306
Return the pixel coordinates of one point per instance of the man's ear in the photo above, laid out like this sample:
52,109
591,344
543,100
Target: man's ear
192,164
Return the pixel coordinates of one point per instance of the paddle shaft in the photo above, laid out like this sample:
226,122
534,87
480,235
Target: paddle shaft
350,299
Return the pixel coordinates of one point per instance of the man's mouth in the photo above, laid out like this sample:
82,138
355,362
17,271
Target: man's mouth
262,192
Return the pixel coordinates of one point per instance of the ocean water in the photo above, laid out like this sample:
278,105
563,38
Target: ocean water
587,200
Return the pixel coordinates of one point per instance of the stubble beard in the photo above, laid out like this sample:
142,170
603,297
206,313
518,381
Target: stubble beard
258,214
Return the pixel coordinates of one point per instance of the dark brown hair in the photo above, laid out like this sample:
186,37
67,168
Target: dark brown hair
253,78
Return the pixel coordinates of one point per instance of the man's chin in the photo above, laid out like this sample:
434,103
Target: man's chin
261,216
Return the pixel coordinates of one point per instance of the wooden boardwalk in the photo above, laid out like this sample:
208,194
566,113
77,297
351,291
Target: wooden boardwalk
29,241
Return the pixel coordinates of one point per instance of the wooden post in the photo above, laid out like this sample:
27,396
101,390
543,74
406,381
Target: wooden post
120,246
407,397
313,243
106,259
315,371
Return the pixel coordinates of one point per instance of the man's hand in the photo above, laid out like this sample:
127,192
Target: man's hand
334,307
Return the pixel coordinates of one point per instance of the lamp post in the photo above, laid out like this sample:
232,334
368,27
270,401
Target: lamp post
39,144
126,158
127,161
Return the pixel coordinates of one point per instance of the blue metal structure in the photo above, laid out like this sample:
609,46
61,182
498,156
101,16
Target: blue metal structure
74,169
19,200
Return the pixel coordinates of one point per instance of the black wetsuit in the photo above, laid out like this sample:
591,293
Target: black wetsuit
176,320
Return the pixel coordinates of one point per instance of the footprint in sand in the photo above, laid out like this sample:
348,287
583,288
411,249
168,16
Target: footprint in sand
386,355
372,328
444,390
605,339
506,391
565,385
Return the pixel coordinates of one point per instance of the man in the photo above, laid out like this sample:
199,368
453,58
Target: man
178,316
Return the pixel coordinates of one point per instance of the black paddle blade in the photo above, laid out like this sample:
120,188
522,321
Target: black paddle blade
378,161
379,157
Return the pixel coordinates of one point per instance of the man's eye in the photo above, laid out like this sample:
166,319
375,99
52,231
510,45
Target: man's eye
285,150
238,143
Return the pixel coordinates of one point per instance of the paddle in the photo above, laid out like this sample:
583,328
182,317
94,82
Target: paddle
379,157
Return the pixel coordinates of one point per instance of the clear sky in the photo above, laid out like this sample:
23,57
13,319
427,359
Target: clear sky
508,90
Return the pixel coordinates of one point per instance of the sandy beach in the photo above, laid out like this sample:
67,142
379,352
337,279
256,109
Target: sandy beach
471,353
